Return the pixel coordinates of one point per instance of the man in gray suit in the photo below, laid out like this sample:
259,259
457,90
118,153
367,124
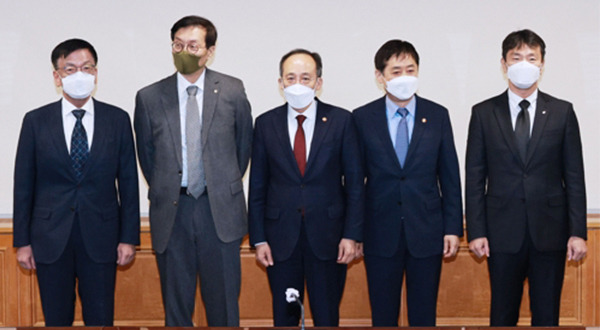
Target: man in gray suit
194,134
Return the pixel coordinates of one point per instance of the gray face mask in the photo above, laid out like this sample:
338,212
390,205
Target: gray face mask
186,63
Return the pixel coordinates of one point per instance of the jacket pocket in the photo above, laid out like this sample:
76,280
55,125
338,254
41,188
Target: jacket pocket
41,213
236,187
272,213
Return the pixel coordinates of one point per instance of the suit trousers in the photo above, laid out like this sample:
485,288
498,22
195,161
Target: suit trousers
325,280
384,278
545,272
95,284
195,251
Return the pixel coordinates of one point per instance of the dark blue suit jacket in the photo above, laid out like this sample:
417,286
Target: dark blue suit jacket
331,191
47,194
425,195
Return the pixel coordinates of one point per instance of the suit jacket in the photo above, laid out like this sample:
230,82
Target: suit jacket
330,194
226,142
508,196
47,194
424,196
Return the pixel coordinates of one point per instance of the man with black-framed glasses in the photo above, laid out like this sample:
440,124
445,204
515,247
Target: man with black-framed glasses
76,201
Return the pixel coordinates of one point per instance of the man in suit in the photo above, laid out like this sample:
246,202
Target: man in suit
306,194
525,189
414,209
194,134
76,201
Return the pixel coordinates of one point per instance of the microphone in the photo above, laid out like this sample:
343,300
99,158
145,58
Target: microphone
292,295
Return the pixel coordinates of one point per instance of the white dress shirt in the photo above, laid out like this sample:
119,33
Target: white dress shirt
69,120
308,125
513,104
182,85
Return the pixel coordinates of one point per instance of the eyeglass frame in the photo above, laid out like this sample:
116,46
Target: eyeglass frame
81,68
184,46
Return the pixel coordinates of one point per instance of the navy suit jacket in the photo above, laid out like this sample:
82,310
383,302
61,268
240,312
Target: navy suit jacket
424,196
47,194
331,193
544,194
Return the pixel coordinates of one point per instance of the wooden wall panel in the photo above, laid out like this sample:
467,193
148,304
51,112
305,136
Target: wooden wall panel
463,297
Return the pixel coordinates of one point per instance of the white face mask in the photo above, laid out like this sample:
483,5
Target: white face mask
403,87
523,74
79,85
299,96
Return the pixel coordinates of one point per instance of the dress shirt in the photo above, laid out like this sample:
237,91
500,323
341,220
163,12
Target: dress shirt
393,117
308,125
69,121
513,104
182,85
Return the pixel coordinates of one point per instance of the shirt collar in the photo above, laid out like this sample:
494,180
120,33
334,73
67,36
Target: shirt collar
183,84
392,107
514,99
310,113
68,107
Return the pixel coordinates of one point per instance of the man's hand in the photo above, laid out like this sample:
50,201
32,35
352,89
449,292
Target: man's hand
359,251
451,243
263,254
346,251
125,254
25,257
480,247
576,248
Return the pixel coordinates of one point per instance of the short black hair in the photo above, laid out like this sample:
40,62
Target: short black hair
519,38
394,47
192,20
67,47
315,56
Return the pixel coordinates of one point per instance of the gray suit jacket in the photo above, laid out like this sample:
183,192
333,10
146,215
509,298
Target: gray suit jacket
226,143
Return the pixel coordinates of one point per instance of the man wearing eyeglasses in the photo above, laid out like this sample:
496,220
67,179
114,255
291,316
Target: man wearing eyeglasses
76,201
194,132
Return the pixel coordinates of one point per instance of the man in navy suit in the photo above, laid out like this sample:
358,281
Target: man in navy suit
76,203
525,187
306,194
413,210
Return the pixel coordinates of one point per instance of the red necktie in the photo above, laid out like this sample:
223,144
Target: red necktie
300,145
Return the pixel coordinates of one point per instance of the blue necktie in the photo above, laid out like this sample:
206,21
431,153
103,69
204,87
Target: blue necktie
79,144
401,146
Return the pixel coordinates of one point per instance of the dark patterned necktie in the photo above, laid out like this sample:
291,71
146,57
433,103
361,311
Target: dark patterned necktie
522,129
79,144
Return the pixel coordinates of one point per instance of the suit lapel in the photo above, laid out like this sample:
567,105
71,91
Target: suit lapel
420,115
382,131
209,103
99,138
502,113
539,123
170,107
321,127
280,127
57,133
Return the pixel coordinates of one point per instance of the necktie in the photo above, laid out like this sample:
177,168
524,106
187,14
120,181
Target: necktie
522,129
79,145
300,145
193,127
402,136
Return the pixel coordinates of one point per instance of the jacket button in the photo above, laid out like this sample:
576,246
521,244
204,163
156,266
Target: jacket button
402,178
72,209
400,203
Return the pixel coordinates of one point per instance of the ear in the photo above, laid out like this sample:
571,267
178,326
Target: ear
379,77
210,51
504,65
319,84
57,79
280,82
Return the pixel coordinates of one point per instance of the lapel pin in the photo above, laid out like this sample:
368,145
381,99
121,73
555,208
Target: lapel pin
216,91
424,120
324,119
544,112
